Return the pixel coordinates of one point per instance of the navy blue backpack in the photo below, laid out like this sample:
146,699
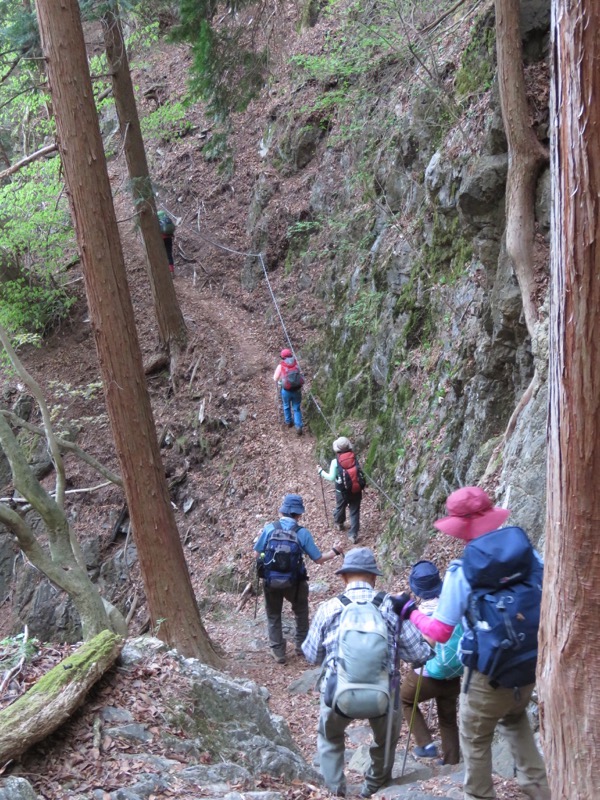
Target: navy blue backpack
281,564
503,616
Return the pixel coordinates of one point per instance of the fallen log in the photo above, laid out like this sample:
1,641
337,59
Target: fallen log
52,700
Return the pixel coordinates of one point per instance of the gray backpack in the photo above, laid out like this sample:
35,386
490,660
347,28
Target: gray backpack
359,683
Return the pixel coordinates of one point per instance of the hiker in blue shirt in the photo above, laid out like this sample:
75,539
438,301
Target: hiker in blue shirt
484,707
359,572
281,546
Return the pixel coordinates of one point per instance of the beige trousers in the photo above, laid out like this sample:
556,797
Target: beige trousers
482,709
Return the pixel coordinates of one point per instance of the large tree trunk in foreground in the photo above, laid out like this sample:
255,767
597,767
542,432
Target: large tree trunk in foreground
569,644
171,325
173,608
54,698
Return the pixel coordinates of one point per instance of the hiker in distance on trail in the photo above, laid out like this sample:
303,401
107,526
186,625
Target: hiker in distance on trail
281,546
359,639
439,678
349,480
167,230
496,590
289,381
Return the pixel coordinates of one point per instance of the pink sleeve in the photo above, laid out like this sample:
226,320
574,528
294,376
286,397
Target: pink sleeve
277,373
436,630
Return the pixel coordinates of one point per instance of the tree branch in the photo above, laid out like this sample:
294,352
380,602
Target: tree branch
51,148
65,444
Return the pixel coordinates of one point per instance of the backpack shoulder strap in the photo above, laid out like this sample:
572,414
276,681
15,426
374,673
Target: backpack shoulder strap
345,601
378,599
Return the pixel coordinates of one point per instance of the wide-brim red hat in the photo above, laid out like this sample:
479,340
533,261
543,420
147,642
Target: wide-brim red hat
471,513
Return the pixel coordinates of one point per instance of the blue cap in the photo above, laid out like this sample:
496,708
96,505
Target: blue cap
292,504
424,580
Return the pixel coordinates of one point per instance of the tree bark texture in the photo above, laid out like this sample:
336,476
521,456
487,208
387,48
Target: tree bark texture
166,578
171,325
54,698
569,643
526,155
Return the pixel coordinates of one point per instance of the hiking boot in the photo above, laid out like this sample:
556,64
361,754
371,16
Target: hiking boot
353,537
429,751
340,526
289,424
299,431
279,659
366,791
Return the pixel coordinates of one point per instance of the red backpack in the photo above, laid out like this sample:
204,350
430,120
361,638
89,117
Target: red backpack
351,479
291,377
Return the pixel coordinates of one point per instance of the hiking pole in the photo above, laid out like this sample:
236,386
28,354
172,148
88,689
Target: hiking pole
256,590
412,719
394,702
324,502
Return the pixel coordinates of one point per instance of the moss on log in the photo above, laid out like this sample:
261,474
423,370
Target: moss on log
53,699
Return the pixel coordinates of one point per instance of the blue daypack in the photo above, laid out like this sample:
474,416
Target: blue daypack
503,615
281,565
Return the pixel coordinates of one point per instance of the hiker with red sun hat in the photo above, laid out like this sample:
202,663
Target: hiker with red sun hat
495,591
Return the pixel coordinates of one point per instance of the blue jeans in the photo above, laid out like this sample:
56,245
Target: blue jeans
290,400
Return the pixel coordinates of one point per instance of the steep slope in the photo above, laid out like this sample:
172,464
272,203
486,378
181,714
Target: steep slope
227,455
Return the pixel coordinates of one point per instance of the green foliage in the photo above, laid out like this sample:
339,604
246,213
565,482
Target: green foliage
227,71
36,239
32,307
303,228
364,311
477,63
13,649
19,34
167,122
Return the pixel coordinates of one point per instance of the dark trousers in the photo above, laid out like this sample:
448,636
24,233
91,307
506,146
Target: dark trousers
168,240
446,694
353,506
297,596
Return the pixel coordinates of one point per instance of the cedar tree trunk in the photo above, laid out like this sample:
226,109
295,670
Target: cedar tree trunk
171,600
171,325
569,643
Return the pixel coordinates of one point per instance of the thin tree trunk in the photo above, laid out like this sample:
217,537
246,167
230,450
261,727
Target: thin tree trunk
172,604
526,155
569,644
60,565
171,325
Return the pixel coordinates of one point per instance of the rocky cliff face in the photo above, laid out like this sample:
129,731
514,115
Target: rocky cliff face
424,354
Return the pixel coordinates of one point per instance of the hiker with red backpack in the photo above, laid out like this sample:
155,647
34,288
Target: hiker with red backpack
495,590
290,380
280,547
349,479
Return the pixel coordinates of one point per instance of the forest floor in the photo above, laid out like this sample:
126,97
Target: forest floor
227,453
